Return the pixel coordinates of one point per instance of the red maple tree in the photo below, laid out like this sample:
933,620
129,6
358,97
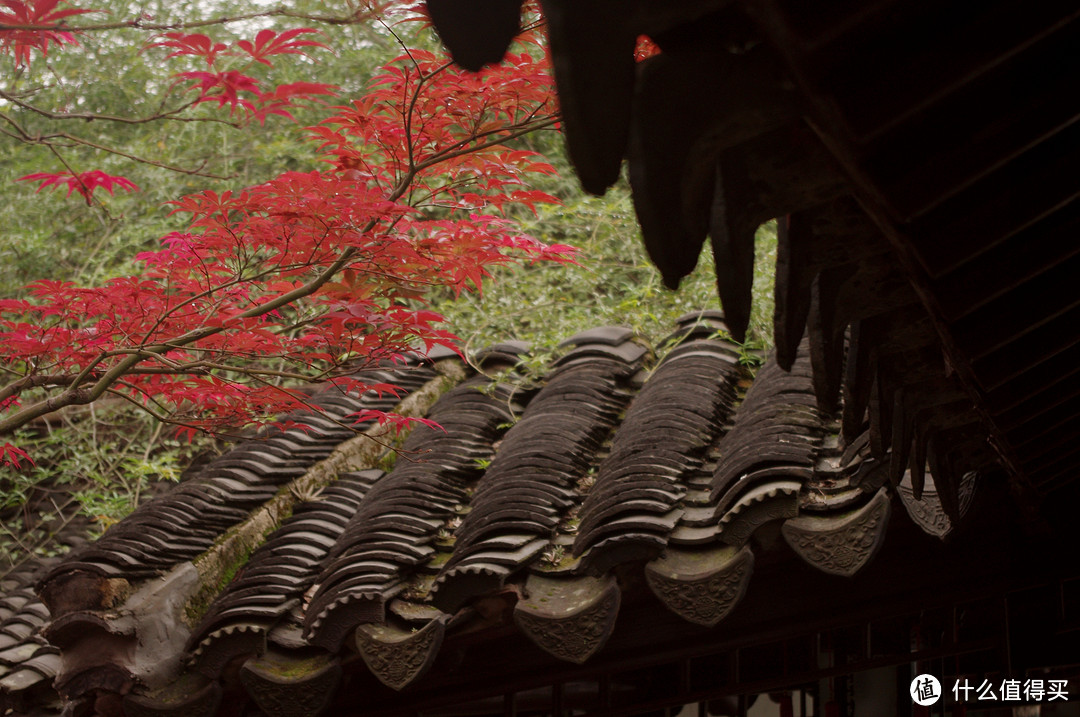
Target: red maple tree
290,280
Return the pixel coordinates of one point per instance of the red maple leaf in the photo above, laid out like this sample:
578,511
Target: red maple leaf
283,96
34,13
310,270
268,42
10,455
193,44
224,87
85,183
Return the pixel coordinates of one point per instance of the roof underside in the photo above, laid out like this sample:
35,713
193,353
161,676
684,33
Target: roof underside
957,127
921,156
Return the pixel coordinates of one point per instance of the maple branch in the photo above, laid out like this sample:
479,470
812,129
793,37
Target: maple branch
171,115
164,416
47,140
207,366
141,24
88,371
445,155
207,293
21,133
412,106
173,368
134,157
408,113
77,396
35,381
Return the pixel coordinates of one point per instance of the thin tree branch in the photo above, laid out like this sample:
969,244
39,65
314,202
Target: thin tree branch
141,24
136,158
171,115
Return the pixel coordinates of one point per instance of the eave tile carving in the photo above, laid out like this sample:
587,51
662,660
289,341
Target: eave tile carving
400,657
928,512
701,586
840,544
288,685
568,618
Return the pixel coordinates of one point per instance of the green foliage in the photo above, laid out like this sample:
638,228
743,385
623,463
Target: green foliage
92,467
615,283
110,73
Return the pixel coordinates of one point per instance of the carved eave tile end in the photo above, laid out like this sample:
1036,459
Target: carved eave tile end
461,584
400,657
701,586
926,510
218,649
287,683
840,544
571,618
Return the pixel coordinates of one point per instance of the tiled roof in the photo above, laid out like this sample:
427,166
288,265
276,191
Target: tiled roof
285,559
28,662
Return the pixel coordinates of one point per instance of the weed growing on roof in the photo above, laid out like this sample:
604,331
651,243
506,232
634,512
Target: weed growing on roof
553,555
